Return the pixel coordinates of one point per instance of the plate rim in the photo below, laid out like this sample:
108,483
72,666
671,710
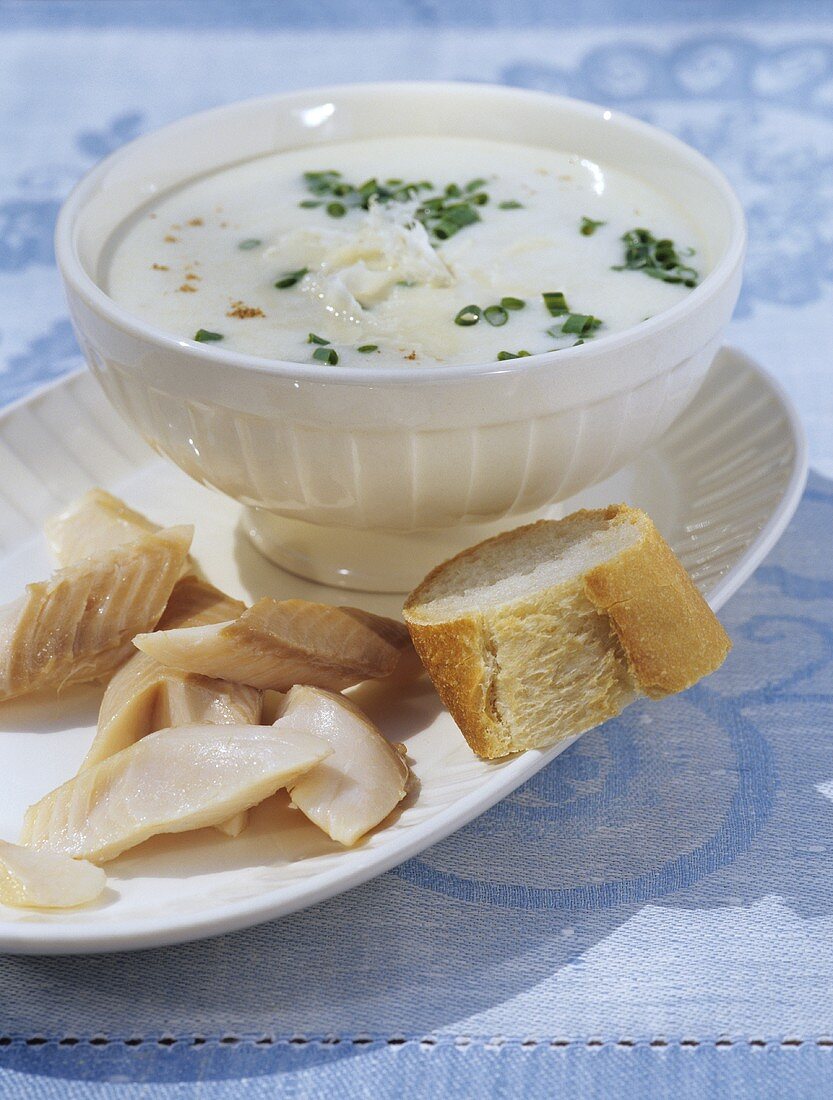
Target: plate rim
23,938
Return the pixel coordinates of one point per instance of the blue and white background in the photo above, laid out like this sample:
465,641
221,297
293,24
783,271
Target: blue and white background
654,911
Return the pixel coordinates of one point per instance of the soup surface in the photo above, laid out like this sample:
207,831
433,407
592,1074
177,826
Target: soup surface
415,251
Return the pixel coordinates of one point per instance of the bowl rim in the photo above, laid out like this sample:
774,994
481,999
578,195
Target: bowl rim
81,283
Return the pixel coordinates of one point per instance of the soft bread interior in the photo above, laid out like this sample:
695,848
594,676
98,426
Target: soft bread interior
554,666
551,665
503,571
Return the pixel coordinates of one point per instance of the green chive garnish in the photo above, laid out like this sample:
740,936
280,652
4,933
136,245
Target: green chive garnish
555,302
443,215
365,348
580,323
445,229
326,355
589,227
510,204
291,278
461,214
502,355
250,242
658,259
206,337
468,315
313,339
512,303
495,315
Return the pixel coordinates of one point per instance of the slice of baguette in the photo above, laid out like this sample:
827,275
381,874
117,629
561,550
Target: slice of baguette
544,632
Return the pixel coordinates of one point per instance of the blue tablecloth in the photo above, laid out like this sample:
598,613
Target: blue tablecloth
654,912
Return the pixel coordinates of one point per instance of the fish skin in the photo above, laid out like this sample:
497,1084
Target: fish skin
171,781
32,879
276,644
364,779
77,626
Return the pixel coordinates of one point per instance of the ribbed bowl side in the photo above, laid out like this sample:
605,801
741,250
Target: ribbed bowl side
401,478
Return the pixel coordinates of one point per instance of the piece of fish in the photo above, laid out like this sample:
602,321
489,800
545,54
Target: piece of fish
278,643
195,602
93,524
171,781
78,625
34,879
144,696
364,779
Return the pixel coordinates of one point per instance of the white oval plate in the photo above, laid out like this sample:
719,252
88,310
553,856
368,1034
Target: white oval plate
721,485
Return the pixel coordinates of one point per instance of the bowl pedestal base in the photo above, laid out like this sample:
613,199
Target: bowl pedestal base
365,560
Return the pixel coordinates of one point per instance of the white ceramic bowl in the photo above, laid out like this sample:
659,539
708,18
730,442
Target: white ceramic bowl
364,477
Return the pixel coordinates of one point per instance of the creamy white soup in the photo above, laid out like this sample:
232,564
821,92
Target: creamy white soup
414,251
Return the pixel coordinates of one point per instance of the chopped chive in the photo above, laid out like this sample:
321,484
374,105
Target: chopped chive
502,355
581,323
206,337
461,214
365,348
291,278
313,339
555,302
321,183
657,259
250,242
495,315
510,204
589,226
442,214
368,188
512,303
445,229
326,355
468,315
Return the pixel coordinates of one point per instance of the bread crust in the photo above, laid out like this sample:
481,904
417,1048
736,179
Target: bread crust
453,654
669,636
